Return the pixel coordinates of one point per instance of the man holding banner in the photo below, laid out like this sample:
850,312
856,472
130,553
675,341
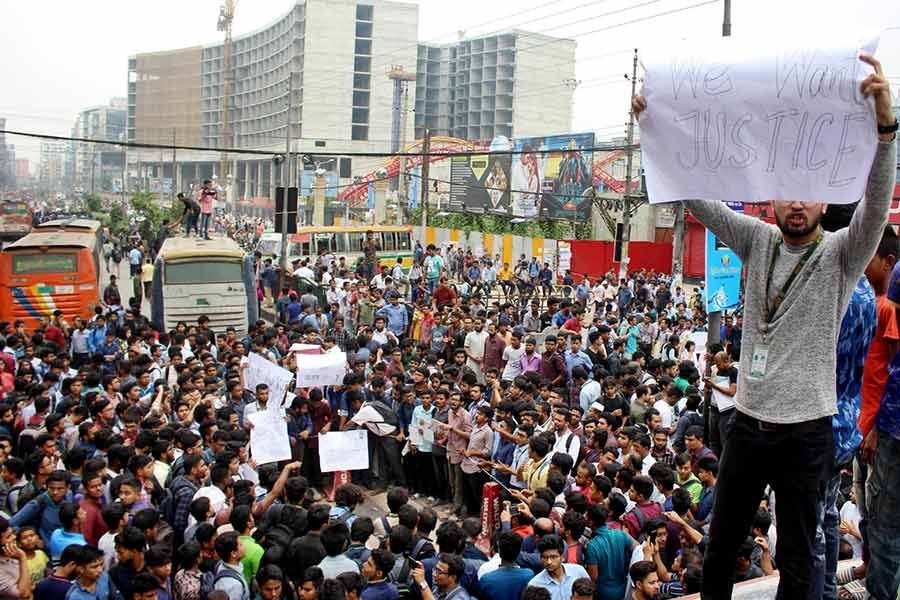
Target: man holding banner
798,283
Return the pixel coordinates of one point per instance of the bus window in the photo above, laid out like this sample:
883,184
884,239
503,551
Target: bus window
387,241
340,242
209,271
356,242
29,264
403,240
299,249
323,243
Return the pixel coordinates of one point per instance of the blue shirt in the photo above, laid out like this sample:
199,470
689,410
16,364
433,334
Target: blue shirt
610,551
505,583
559,590
580,358
293,311
857,331
397,318
62,539
380,591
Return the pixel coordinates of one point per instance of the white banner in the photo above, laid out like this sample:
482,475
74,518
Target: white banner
264,371
316,370
737,122
269,441
344,451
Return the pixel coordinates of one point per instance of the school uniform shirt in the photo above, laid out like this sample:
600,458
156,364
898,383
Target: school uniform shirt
559,590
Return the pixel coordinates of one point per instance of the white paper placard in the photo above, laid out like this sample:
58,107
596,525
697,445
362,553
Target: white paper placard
267,372
316,370
344,451
269,441
735,121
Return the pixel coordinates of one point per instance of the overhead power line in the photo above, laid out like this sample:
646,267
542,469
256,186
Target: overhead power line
270,153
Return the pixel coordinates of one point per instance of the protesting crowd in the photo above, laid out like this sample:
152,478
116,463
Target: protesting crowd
535,435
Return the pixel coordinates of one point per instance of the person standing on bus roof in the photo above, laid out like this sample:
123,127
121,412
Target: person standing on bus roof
208,196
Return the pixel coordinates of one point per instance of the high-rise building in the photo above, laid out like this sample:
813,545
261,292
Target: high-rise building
23,169
511,84
334,54
7,159
97,166
52,171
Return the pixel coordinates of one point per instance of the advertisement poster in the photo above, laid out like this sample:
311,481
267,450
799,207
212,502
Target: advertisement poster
551,173
480,184
723,275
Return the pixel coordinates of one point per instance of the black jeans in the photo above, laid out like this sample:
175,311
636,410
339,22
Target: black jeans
793,459
389,450
472,492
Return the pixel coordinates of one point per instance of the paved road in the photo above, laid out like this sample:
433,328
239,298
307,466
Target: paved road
124,283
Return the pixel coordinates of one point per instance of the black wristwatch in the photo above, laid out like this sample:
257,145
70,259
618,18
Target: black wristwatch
886,129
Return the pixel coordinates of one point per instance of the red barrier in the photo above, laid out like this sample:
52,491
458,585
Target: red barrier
596,258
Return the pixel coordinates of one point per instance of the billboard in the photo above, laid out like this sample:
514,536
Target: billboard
723,275
308,184
480,184
544,177
549,174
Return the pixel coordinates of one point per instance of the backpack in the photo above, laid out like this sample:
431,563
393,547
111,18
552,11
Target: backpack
167,506
208,581
386,525
403,580
345,516
641,519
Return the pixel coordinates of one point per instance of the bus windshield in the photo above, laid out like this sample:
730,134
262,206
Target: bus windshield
28,264
14,208
202,272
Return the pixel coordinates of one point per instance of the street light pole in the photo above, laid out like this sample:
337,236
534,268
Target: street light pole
285,176
626,205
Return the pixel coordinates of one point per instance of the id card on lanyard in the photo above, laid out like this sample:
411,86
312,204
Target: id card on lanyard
759,359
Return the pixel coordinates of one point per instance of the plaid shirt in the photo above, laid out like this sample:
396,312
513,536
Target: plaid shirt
341,338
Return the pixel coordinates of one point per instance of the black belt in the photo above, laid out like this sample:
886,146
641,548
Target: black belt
783,427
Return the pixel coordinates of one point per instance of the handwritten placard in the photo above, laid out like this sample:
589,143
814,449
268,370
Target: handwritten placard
269,441
316,370
344,451
730,121
260,370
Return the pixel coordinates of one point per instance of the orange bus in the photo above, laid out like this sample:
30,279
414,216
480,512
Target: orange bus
15,220
53,267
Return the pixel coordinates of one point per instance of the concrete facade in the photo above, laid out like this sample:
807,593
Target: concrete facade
96,166
337,52
509,84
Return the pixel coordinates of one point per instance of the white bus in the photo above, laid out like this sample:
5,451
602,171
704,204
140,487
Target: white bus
194,277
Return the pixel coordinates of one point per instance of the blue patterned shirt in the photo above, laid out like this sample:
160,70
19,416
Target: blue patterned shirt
857,332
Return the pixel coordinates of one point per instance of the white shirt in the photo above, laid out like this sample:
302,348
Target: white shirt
475,343
590,392
666,412
305,272
850,514
217,500
513,366
574,447
373,420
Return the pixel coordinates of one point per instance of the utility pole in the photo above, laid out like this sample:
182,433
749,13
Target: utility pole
174,166
626,205
403,188
726,20
715,317
285,175
423,184
124,173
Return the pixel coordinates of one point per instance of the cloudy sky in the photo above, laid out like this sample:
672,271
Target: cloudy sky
59,57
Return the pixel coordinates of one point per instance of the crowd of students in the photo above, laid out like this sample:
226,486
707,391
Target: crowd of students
126,470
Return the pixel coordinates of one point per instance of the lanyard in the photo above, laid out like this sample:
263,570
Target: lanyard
772,307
